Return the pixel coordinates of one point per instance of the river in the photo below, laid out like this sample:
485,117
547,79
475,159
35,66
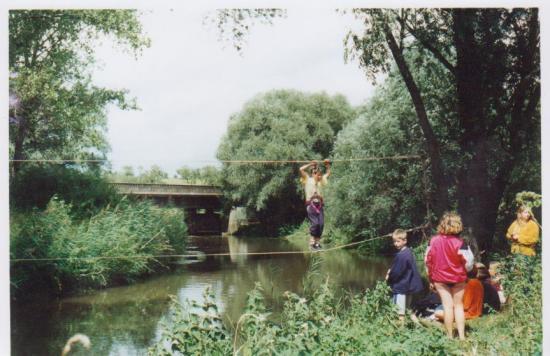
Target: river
127,320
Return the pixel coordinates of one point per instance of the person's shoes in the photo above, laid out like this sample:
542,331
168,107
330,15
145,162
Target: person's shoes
317,246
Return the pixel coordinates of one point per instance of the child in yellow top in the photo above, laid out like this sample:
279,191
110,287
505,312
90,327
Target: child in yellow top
523,232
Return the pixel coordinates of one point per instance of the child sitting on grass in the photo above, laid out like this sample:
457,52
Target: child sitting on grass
490,293
473,298
403,275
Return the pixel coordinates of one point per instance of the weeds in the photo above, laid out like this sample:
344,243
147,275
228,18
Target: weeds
88,252
363,323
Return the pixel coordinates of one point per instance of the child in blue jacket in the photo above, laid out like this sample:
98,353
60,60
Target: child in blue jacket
403,275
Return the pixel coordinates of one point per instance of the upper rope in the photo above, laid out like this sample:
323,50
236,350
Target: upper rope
250,161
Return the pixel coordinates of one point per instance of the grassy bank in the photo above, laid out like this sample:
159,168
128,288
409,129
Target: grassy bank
81,253
365,323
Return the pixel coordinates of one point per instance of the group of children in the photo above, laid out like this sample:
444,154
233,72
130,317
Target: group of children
459,289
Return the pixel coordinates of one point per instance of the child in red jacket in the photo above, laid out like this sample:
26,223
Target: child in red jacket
447,259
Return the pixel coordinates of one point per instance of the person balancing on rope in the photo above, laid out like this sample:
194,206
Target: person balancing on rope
313,187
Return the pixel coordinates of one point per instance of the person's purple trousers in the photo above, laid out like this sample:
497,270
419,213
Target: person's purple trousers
316,219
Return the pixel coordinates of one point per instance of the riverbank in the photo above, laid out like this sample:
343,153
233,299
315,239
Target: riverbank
318,322
53,252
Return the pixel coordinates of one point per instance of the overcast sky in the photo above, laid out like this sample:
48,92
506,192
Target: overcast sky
188,83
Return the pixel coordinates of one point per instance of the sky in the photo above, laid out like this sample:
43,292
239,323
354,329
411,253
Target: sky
188,83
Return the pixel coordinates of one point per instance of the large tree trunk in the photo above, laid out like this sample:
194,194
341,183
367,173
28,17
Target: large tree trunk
483,178
441,199
479,197
472,178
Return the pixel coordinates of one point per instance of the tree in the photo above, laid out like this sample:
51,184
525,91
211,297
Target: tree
127,171
234,25
370,198
203,175
493,56
35,185
278,125
154,175
57,112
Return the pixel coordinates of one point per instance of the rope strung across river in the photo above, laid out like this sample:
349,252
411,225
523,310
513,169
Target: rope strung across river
421,227
381,158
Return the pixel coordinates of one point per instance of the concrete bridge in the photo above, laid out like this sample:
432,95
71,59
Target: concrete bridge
202,203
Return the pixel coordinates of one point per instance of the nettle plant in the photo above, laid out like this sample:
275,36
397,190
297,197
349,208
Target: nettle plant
193,328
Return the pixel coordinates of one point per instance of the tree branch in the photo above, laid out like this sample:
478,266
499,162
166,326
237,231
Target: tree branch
437,54
438,173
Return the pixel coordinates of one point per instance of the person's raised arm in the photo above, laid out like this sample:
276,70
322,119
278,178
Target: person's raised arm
327,168
303,168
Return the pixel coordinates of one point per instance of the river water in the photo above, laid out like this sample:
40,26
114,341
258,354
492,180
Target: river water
127,320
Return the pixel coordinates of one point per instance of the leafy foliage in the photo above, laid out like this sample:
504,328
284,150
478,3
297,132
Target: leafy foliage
194,328
321,324
154,175
234,25
207,175
529,199
59,113
86,191
203,175
279,125
372,198
492,58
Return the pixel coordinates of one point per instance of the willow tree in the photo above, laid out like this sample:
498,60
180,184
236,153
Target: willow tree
278,125
55,109
493,58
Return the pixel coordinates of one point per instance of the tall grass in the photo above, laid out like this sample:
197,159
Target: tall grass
116,245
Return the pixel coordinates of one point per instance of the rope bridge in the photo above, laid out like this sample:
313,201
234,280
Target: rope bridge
267,253
380,158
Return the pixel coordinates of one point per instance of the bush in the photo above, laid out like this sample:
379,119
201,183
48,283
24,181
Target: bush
86,191
88,252
193,329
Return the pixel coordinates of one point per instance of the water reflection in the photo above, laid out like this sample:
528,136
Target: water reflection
126,320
